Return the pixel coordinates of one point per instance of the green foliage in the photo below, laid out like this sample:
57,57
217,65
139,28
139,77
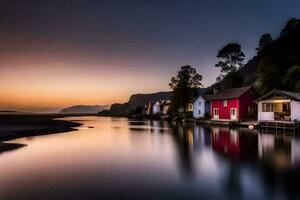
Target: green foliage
291,78
265,40
232,80
183,86
232,59
279,60
297,86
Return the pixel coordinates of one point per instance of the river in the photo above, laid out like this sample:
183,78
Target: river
129,159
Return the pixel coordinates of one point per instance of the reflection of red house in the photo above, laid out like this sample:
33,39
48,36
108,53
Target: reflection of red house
226,141
233,104
235,143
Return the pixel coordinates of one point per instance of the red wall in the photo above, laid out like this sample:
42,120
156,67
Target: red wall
224,112
246,100
242,104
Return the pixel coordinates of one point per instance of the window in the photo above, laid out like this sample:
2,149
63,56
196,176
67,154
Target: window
199,112
199,103
225,103
268,107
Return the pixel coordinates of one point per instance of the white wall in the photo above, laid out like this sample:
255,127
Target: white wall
295,110
165,109
197,107
156,108
266,116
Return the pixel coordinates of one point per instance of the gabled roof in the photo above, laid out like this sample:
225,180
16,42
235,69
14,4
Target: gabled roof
207,96
290,95
230,93
201,92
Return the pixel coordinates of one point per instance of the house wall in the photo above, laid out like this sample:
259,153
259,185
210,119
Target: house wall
197,107
156,108
247,100
295,110
207,106
224,112
278,107
165,109
189,107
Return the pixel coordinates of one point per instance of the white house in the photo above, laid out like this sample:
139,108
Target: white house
201,105
279,106
165,106
157,107
161,106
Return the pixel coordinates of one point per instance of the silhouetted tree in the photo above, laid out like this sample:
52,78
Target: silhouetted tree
291,80
292,26
232,59
264,41
183,86
278,63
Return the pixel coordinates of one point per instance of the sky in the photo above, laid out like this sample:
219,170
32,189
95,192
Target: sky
59,53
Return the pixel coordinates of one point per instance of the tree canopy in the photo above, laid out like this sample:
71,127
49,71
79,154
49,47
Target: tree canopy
231,61
279,61
264,41
184,85
231,57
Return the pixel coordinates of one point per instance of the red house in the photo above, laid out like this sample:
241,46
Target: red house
233,104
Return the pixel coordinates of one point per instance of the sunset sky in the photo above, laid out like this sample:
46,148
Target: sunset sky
58,53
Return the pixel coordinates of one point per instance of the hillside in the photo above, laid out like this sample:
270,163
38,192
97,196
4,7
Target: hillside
248,72
84,109
137,100
276,65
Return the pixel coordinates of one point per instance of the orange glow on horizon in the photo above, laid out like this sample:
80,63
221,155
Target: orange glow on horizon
59,85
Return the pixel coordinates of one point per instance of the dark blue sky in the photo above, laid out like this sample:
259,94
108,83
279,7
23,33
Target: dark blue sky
149,39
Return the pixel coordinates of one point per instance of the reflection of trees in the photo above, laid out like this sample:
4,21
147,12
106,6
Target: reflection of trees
233,182
280,173
189,138
183,141
158,126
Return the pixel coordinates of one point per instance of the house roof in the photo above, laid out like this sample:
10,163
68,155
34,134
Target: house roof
290,95
201,92
207,96
230,93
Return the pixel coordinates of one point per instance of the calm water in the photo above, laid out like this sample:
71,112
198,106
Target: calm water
126,159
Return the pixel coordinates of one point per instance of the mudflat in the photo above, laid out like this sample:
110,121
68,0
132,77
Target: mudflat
14,126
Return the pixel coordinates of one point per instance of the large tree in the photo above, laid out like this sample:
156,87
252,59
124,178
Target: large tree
264,41
231,59
184,85
279,61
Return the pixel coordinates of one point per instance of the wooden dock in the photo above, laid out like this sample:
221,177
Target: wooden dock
280,125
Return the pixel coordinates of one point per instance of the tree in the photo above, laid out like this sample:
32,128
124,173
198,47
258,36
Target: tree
184,85
264,41
278,66
292,26
291,80
232,59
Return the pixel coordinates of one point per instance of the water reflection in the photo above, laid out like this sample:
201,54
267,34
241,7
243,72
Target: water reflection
136,159
271,161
